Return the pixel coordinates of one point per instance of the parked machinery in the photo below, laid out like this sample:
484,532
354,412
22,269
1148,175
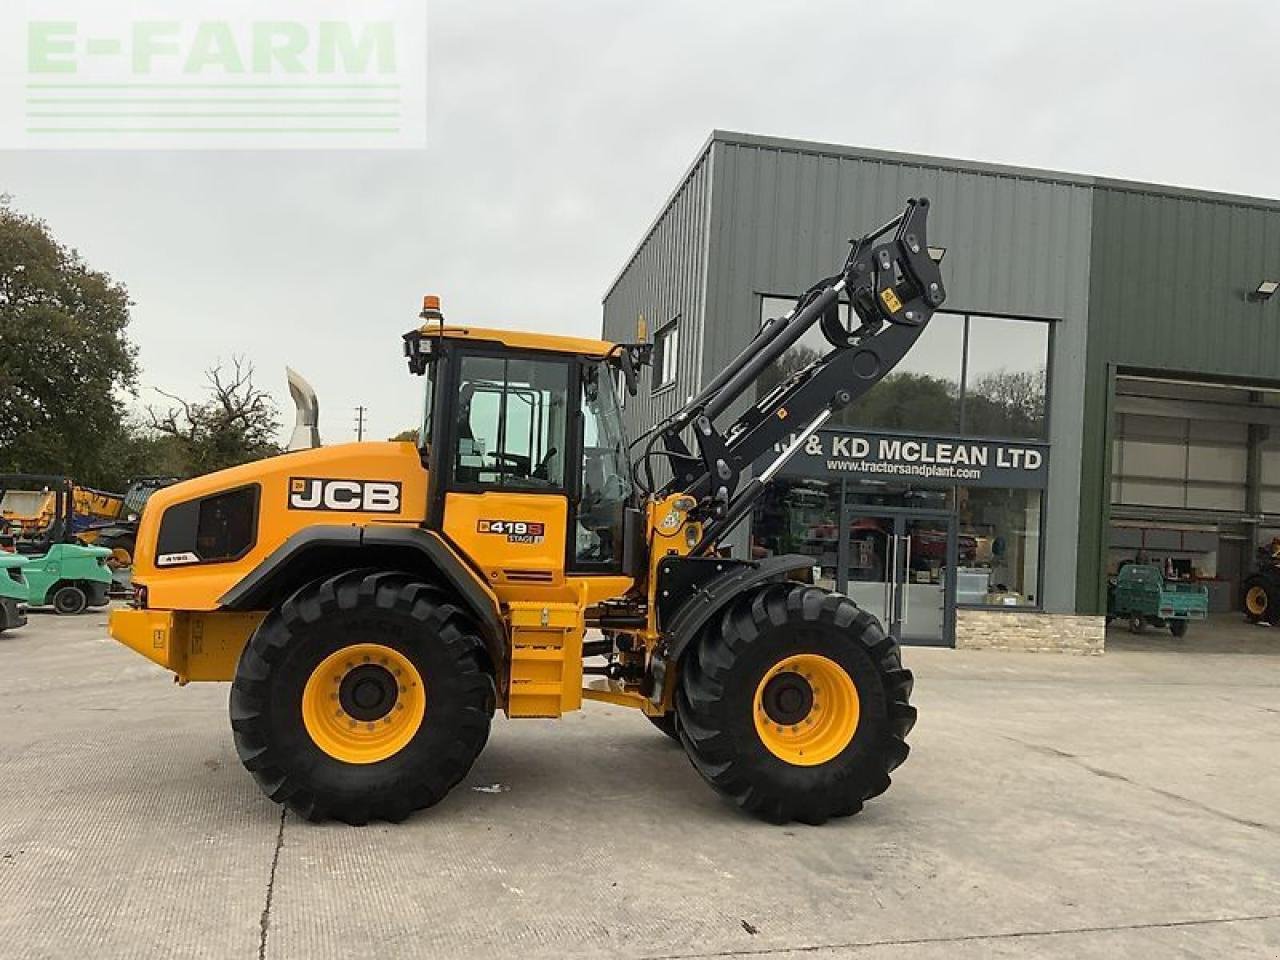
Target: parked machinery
1260,592
60,572
373,604
13,591
119,532
1142,596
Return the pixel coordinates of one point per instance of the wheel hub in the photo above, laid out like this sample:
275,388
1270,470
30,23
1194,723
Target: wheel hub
368,692
363,703
806,709
787,698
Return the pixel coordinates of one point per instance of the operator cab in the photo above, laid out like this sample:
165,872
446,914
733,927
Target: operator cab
523,436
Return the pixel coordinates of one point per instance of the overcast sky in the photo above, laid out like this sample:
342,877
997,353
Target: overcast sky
556,130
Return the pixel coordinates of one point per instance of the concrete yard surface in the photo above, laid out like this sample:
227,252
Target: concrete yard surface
1062,807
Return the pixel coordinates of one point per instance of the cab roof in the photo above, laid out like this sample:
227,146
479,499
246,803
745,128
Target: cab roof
521,339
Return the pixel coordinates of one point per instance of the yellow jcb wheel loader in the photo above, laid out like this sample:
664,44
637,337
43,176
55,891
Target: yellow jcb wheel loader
373,604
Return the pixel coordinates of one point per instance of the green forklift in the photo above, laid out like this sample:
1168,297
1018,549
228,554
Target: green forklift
13,591
59,572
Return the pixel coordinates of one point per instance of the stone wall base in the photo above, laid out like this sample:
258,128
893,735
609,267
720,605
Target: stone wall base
1033,632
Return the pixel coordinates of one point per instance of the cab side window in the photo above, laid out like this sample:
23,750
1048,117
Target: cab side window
511,423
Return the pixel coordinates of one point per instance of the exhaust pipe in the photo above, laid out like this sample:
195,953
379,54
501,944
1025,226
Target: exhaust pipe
306,429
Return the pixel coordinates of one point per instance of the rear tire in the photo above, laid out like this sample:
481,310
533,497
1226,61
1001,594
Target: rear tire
1261,600
1178,628
69,600
739,677
363,697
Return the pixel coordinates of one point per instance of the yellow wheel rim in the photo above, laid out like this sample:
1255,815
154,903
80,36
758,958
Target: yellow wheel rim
364,703
1255,601
806,709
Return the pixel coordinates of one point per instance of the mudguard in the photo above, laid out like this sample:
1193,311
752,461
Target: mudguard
692,590
323,549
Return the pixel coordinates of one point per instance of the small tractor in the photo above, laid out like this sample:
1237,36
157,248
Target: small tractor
60,572
373,604
1260,592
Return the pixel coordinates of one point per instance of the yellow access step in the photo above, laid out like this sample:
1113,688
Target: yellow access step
546,659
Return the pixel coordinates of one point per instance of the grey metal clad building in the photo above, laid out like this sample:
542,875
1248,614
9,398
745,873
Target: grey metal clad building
1099,385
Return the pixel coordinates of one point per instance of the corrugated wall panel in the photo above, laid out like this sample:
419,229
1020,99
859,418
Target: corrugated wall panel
1017,244
1168,292
665,278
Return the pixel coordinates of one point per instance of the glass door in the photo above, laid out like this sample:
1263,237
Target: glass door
897,567
868,565
924,546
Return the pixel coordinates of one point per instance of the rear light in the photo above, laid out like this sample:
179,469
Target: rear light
139,596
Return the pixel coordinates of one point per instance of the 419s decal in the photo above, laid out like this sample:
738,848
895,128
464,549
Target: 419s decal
516,531
353,496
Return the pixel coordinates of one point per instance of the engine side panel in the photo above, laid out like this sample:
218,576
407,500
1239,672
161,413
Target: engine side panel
355,484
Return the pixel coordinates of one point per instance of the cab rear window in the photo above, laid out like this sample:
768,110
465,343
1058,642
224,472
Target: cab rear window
213,529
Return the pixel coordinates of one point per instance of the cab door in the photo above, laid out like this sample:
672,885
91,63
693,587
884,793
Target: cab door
506,499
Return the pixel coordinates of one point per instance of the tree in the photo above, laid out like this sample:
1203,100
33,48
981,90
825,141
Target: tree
237,424
411,434
905,401
796,358
66,363
1006,403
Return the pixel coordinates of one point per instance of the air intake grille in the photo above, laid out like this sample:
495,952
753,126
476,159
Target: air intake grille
528,576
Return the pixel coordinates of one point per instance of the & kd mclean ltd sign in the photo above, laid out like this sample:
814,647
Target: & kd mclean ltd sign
865,455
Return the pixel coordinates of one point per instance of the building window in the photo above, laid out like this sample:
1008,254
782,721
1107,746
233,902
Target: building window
800,516
998,552
923,392
666,354
1005,371
981,376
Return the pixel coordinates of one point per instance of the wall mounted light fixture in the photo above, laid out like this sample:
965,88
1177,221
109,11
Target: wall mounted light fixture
1266,290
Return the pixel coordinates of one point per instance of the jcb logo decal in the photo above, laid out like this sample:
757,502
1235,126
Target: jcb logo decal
351,496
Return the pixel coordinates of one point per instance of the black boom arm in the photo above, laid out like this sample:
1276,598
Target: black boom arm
893,288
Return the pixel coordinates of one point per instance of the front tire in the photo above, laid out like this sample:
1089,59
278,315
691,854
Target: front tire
667,724
363,697
795,705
